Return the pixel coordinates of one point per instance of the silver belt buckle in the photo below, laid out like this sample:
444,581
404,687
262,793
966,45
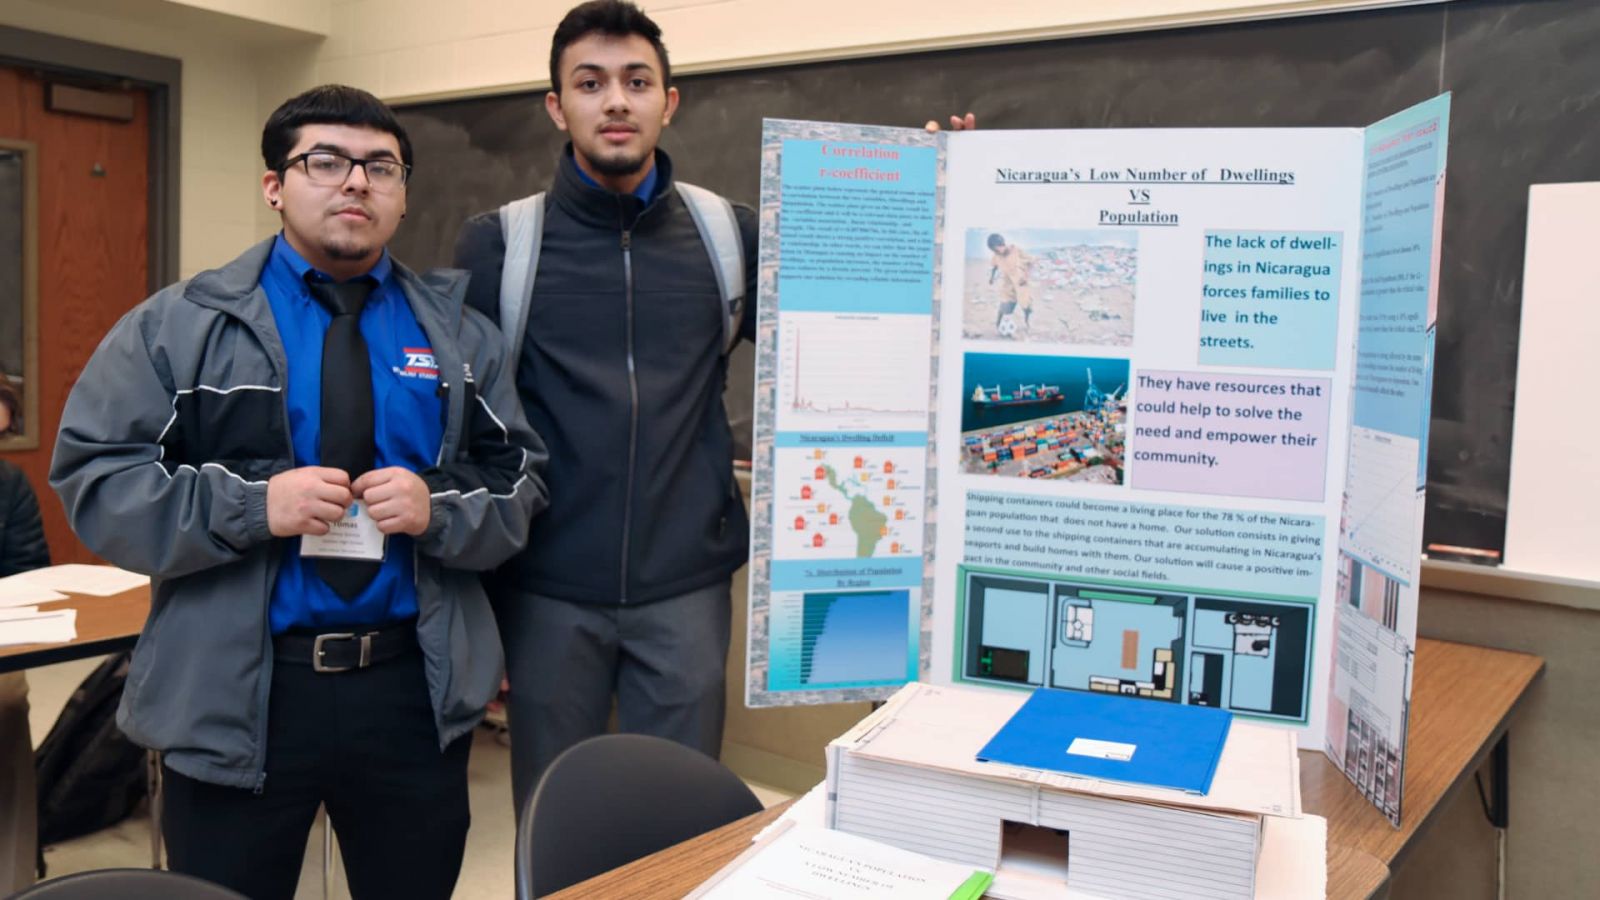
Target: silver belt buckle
317,651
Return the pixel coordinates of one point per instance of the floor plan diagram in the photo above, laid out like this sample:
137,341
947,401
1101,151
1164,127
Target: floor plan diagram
1251,656
1117,643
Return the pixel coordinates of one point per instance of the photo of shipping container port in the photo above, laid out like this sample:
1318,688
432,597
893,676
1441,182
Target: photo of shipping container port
1084,445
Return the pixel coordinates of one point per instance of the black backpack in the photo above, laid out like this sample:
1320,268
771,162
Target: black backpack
90,775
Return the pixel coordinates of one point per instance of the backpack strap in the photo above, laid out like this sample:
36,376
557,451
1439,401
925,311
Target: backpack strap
719,230
522,226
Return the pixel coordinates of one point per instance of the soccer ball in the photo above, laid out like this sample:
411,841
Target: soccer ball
1008,327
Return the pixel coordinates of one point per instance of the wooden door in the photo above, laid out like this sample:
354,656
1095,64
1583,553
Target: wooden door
94,217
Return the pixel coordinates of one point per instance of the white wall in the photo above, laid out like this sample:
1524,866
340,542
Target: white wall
416,49
312,17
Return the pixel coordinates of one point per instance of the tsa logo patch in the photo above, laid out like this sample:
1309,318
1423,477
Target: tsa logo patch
419,364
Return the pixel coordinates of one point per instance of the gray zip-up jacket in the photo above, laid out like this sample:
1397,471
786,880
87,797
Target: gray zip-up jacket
166,445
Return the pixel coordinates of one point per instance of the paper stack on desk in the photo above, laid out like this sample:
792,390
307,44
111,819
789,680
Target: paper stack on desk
1293,863
27,625
908,775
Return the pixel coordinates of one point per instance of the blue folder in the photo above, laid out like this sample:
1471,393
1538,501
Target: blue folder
1126,739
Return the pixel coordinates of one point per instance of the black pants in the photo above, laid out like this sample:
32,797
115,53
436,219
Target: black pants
364,744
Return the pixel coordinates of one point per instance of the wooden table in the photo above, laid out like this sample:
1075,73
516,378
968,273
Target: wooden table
1462,701
673,872
676,870
105,625
1463,698
1353,874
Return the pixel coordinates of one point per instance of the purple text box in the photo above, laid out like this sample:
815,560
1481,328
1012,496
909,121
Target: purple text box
1237,435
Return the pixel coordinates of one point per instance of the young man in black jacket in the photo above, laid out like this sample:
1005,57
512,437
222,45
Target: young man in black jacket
623,588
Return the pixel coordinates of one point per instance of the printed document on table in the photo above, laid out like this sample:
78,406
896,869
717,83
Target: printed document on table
809,862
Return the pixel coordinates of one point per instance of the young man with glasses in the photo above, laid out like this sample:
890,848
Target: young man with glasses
313,451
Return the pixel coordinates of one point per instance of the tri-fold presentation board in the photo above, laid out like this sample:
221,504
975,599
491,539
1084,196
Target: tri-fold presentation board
1133,411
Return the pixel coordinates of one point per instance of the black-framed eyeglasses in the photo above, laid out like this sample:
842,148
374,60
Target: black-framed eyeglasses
330,169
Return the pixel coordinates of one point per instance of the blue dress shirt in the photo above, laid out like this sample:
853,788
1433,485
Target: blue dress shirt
408,417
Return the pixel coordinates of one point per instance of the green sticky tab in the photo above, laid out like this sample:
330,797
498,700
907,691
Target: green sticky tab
973,887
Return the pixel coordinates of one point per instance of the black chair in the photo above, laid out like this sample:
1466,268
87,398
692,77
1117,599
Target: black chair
615,798
127,884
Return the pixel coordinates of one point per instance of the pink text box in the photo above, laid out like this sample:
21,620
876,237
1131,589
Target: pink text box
1238,435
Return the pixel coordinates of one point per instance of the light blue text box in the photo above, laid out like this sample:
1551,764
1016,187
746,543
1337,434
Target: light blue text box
1271,298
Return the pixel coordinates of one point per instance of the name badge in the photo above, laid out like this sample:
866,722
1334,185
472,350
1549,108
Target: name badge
356,536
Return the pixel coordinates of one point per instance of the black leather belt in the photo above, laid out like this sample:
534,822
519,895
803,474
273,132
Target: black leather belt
342,651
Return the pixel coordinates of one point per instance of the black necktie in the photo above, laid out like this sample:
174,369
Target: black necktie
347,441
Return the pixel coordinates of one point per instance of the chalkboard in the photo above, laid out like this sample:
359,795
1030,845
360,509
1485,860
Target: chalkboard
1526,110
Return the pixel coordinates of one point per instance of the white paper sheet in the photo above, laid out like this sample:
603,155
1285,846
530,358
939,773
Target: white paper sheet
76,578
56,627
25,593
1294,858
810,809
806,861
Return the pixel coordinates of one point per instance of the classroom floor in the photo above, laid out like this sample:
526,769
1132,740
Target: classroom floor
485,873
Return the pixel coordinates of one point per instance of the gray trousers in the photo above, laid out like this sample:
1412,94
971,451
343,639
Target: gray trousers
664,662
19,805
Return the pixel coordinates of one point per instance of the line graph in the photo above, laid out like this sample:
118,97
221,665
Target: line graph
840,371
1381,501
